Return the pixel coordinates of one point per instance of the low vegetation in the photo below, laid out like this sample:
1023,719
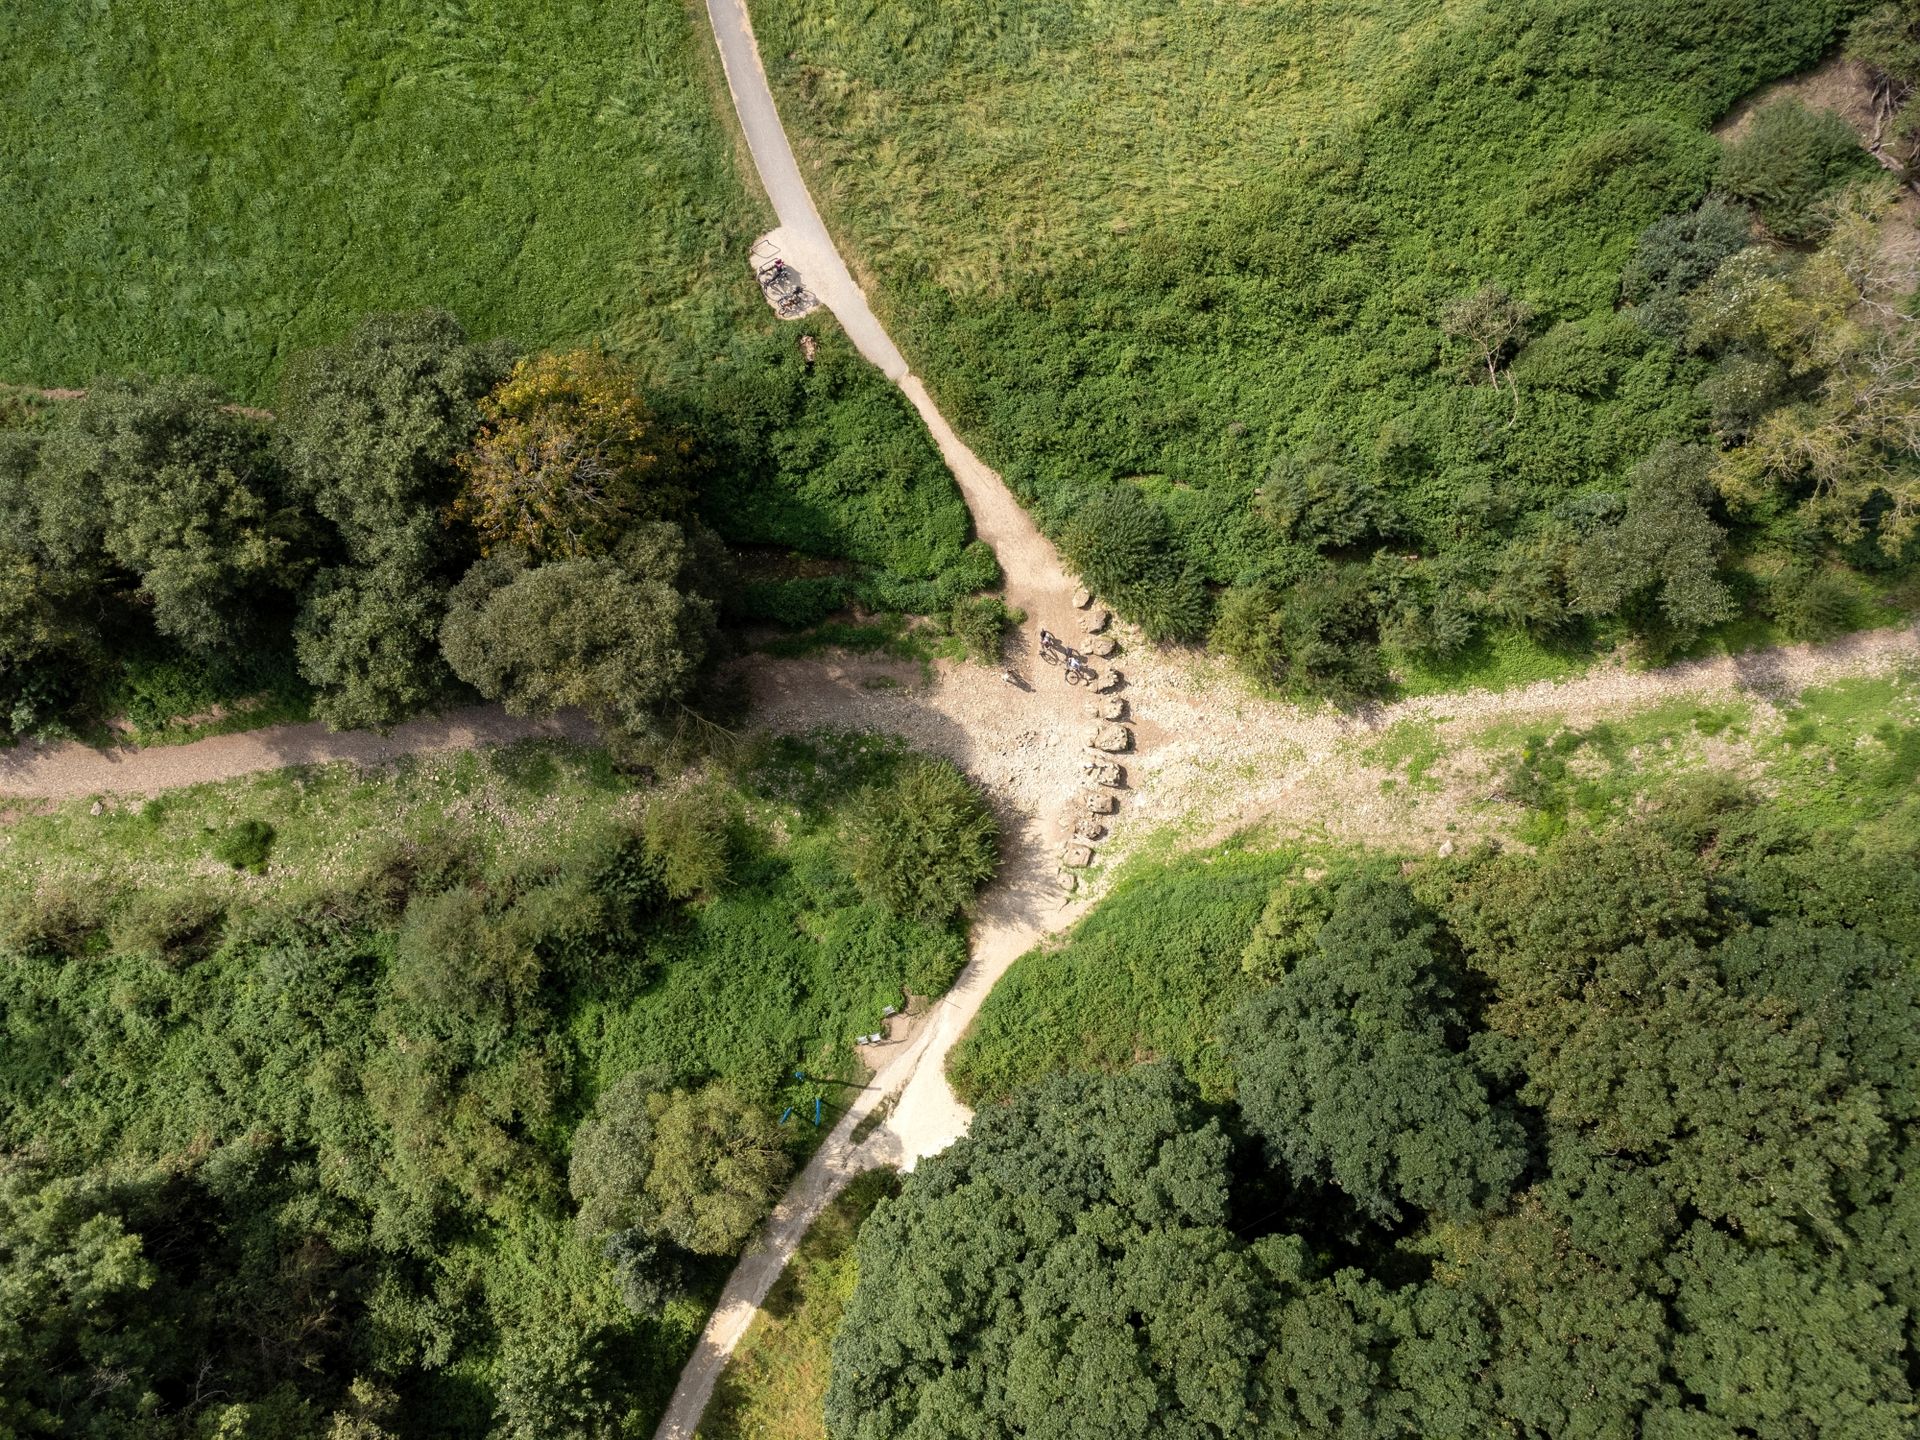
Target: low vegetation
432,1103
1428,333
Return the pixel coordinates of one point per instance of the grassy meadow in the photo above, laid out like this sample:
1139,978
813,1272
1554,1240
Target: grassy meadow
209,187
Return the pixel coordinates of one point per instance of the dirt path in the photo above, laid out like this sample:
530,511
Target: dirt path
65,769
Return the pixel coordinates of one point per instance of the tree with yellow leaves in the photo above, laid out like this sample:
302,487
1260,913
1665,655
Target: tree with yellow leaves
568,456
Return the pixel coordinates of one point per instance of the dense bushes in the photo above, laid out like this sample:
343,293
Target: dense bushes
1612,1139
924,842
1786,161
153,530
412,1128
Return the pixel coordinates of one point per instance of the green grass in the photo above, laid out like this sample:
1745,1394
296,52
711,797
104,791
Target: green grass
1147,975
208,187
775,1385
514,803
1496,660
1411,748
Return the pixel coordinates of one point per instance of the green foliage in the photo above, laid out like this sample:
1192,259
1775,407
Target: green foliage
920,845
689,840
1317,637
245,845
1351,1067
1321,503
718,1166
980,623
1886,41
1180,309
369,429
613,1158
370,426
775,1383
1657,566
162,481
619,636
1080,1264
1120,542
1153,971
1786,160
1675,256
297,1150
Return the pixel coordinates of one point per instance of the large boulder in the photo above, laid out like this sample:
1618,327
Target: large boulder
1113,738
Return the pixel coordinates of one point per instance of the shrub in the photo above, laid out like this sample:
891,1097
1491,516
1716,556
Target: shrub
1114,538
1788,158
688,840
177,926
923,842
1167,605
59,916
1811,604
612,1158
245,845
980,623
1676,255
1122,546
1321,503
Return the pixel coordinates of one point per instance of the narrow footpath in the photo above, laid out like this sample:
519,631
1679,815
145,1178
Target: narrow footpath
1027,901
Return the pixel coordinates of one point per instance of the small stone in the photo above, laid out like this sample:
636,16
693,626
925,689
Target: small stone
1082,599
1110,681
1111,737
96,808
1446,848
1077,857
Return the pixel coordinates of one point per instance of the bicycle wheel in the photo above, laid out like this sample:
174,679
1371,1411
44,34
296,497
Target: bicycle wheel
1050,655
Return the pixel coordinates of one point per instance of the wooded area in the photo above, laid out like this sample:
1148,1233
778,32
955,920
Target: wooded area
1608,1141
